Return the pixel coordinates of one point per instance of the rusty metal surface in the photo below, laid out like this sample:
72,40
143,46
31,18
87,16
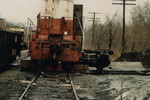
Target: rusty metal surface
47,44
68,38
70,55
52,33
59,36
51,26
55,26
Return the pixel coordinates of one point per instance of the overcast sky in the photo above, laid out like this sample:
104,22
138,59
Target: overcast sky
20,10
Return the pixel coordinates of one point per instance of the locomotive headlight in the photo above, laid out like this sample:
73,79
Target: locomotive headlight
65,33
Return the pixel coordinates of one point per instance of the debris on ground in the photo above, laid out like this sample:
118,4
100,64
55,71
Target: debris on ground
143,57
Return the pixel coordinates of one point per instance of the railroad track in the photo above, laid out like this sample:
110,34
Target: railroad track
50,87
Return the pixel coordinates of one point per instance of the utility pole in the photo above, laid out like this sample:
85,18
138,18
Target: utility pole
124,27
93,28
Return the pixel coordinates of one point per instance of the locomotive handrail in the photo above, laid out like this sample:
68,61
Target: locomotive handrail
78,22
80,26
32,22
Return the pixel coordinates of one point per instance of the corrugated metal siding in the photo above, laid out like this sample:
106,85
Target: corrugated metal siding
10,47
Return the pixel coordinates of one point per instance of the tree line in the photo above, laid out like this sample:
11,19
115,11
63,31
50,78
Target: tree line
108,35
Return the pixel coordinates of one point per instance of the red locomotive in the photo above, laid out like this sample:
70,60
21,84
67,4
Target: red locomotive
58,39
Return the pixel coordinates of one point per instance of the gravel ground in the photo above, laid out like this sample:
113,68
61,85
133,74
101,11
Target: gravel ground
101,87
113,87
11,82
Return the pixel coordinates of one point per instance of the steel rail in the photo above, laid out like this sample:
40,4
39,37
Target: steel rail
26,90
73,88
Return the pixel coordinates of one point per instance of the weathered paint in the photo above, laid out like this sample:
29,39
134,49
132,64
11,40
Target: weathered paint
68,37
55,26
57,8
56,38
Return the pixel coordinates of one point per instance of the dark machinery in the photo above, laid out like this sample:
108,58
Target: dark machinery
96,58
57,43
10,47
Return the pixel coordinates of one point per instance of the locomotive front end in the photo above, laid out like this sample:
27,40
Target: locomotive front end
55,40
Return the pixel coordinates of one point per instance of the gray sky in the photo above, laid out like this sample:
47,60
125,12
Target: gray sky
20,10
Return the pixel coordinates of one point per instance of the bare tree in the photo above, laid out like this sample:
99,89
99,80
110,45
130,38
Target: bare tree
111,25
104,33
140,27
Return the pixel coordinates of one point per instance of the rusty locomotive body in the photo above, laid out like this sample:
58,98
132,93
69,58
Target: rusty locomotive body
59,36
